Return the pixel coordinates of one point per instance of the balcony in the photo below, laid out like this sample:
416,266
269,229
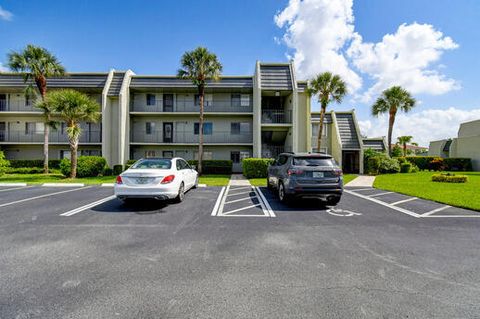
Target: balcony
184,137
54,137
272,151
17,106
276,117
217,105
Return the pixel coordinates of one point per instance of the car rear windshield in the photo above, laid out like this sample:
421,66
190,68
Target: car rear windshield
153,164
312,161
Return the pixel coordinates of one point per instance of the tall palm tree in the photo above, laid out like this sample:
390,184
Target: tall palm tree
328,88
404,140
72,107
198,66
36,64
392,100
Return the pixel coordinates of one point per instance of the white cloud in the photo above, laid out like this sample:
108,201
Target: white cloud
318,31
404,58
2,68
424,126
321,34
5,15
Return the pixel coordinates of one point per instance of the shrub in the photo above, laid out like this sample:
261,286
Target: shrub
54,163
373,164
3,163
117,169
24,170
87,166
129,163
436,164
401,160
256,167
405,167
421,162
107,171
457,164
388,166
449,178
214,166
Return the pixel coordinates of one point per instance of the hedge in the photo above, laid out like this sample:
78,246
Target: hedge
117,169
256,167
3,163
53,163
214,166
24,170
457,164
129,163
449,178
405,167
87,166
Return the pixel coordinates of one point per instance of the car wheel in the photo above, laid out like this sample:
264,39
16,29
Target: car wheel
269,185
281,194
196,183
181,194
333,202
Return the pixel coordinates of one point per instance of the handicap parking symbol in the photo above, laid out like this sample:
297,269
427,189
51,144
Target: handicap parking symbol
342,212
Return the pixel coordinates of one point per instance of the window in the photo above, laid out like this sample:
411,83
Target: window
245,100
29,100
282,159
168,102
29,128
152,164
312,161
151,99
239,128
207,128
244,155
206,155
235,157
62,128
207,100
236,100
65,154
149,127
90,153
149,154
167,154
181,164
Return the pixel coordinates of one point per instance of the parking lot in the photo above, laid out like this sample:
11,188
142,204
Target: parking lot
234,252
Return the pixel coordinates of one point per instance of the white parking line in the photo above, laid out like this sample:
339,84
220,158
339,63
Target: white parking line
435,211
217,203
240,187
13,184
240,193
238,200
14,188
88,206
240,209
41,196
362,189
63,184
404,201
269,209
381,194
399,209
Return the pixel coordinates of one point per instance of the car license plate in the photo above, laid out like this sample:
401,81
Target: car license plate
318,174
143,180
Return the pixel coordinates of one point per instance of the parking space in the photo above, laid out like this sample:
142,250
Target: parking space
413,206
242,201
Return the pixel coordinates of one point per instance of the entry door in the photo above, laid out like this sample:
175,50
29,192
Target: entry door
2,131
167,132
350,162
3,102
167,102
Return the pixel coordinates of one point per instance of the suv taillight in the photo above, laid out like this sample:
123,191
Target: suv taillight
294,172
119,180
168,179
338,172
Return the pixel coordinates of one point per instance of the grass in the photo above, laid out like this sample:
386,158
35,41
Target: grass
33,179
262,182
420,185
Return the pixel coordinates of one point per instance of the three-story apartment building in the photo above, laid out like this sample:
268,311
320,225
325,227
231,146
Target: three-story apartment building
257,115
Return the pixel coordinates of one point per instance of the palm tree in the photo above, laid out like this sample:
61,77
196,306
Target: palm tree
72,107
36,64
404,140
328,88
392,100
198,66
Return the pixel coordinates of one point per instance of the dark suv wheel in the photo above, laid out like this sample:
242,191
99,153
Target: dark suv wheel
284,198
333,201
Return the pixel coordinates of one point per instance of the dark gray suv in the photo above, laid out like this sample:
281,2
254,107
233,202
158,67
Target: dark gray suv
306,175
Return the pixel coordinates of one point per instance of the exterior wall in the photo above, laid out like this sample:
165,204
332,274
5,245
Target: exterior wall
436,148
469,129
303,123
468,147
336,142
36,151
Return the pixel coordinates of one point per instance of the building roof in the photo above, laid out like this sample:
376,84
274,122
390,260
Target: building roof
275,76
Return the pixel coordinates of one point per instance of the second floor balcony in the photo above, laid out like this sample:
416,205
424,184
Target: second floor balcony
215,105
14,136
17,106
276,116
188,137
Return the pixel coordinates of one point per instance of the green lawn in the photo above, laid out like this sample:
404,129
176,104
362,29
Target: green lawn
210,180
263,181
420,185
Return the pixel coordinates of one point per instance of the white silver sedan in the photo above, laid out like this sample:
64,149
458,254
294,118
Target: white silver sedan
157,178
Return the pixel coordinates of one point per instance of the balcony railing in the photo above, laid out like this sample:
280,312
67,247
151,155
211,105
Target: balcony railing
17,106
217,105
276,116
54,137
272,151
220,137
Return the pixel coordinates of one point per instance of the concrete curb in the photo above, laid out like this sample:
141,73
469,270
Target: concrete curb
63,185
13,184
202,185
107,185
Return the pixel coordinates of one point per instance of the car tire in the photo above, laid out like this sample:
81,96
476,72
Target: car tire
196,183
181,194
333,202
284,198
269,185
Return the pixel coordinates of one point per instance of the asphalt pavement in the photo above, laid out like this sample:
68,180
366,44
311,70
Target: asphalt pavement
80,253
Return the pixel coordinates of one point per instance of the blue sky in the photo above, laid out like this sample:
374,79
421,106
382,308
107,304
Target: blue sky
150,36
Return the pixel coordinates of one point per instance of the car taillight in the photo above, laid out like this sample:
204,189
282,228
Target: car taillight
294,172
119,180
338,172
168,179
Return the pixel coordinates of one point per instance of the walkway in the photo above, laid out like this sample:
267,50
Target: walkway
362,181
